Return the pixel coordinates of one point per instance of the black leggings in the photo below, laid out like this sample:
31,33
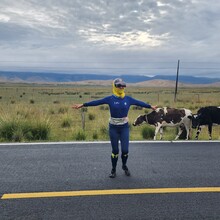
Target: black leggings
119,133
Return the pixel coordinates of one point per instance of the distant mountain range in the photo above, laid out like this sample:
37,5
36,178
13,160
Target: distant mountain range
40,77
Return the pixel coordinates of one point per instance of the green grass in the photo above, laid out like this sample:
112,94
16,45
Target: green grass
30,112
18,128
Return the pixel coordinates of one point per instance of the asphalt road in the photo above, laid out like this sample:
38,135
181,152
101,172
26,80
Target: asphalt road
68,167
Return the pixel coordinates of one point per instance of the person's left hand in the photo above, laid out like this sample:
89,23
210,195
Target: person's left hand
154,107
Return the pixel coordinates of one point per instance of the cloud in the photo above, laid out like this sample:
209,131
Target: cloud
143,36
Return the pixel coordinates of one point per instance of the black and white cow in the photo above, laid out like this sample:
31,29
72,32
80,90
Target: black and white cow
208,115
162,117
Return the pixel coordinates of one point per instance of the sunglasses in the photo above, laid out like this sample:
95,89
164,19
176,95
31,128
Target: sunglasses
118,85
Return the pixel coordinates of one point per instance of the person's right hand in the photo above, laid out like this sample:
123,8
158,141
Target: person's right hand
77,106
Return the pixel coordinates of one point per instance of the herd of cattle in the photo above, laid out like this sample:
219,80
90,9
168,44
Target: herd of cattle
181,118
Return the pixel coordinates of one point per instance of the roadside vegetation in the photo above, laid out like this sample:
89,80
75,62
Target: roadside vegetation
31,112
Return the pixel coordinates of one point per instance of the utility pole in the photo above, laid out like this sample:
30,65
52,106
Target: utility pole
177,77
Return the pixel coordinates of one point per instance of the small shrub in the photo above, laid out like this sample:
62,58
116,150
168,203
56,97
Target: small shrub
80,136
91,116
104,131
29,135
32,101
7,129
66,122
95,136
39,132
147,133
17,136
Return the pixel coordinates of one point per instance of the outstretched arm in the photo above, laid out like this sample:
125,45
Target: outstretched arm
92,103
77,106
141,103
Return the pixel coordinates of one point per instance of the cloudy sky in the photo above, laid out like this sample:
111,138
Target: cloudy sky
145,37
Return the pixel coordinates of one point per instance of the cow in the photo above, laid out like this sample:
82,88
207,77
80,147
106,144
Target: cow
162,117
209,115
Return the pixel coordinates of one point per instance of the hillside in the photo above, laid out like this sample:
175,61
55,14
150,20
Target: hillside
97,79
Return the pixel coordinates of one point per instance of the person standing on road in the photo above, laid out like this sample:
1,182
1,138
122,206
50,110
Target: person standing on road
119,105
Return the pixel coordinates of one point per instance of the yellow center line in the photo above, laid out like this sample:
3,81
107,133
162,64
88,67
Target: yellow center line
109,192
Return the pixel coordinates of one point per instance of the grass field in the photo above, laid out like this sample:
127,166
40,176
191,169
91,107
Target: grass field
31,112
